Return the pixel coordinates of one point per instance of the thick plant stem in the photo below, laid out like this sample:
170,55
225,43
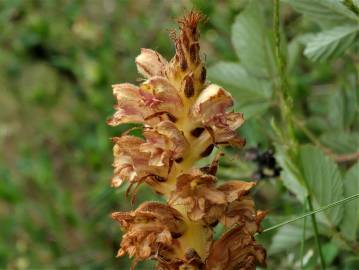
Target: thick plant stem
286,114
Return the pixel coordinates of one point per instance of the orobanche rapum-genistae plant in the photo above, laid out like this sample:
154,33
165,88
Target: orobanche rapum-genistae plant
184,117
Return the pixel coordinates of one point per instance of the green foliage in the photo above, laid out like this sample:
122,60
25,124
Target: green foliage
330,12
324,182
252,42
252,94
350,222
331,43
289,237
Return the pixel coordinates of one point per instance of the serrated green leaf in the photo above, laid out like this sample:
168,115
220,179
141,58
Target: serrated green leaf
350,222
252,95
341,109
331,43
341,142
324,182
252,43
289,236
331,12
336,110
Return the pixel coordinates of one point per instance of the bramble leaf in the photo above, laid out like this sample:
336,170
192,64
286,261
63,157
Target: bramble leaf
331,12
350,222
252,43
252,95
331,43
324,182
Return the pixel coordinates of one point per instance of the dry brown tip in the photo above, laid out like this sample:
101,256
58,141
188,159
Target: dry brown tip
191,19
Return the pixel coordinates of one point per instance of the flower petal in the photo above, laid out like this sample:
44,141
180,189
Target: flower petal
151,63
212,101
128,108
235,189
150,230
159,94
165,143
129,163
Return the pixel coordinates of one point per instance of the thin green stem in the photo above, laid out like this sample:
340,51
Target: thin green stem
283,87
310,213
316,233
302,244
286,113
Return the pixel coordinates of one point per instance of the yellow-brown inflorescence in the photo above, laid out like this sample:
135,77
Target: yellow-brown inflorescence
184,117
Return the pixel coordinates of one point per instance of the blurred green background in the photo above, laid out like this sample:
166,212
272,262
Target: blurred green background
58,60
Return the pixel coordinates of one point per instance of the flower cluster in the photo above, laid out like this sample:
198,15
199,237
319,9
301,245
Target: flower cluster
183,118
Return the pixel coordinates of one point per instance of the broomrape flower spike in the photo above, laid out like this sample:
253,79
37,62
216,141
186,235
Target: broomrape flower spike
184,117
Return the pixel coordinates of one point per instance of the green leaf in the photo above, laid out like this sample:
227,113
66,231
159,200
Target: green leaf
289,236
350,220
341,110
290,174
330,251
252,43
252,95
324,182
331,43
294,53
341,142
324,11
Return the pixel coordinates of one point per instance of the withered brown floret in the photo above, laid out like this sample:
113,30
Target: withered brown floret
151,230
235,250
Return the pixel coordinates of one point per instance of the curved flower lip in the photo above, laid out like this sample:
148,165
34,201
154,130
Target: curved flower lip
130,164
212,101
235,189
151,63
241,212
160,95
198,192
210,109
155,97
128,107
147,211
165,144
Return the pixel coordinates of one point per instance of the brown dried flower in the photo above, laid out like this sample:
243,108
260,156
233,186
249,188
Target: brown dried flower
235,250
184,118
